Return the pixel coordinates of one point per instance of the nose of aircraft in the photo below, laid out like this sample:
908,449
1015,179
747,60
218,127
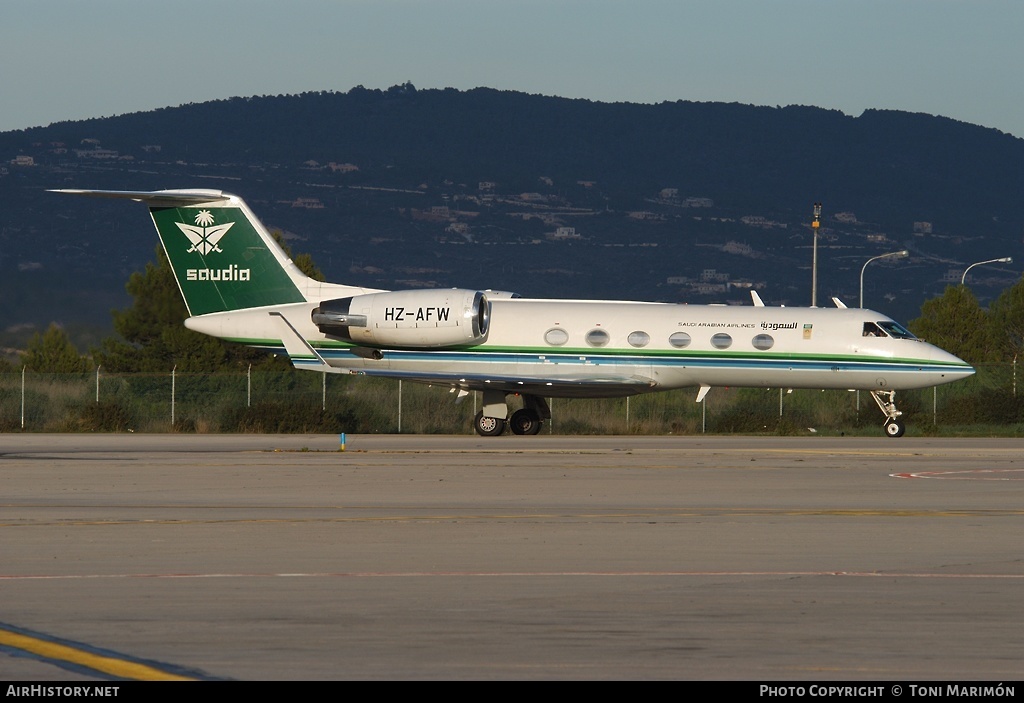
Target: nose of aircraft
952,367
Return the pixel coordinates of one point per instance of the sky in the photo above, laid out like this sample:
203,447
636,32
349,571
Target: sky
76,59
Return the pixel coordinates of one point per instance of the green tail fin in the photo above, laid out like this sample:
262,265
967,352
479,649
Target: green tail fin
222,256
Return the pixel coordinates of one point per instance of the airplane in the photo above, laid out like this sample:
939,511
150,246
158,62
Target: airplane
239,285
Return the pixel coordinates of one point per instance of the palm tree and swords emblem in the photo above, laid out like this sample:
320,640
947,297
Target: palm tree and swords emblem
204,235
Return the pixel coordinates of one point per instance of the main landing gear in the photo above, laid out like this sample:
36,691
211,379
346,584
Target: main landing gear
488,426
886,400
491,421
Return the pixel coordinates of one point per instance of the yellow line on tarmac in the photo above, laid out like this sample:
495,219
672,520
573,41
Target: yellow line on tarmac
112,666
654,513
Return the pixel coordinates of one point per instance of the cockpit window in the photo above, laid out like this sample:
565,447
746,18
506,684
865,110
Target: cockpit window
873,330
896,330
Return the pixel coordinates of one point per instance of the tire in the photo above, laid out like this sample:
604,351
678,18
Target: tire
894,428
525,422
488,426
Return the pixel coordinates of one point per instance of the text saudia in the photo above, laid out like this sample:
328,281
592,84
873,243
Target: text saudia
231,273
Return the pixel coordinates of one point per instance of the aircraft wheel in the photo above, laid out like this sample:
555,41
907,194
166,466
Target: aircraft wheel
488,426
894,428
525,422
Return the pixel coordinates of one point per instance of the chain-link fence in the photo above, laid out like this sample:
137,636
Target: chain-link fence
301,402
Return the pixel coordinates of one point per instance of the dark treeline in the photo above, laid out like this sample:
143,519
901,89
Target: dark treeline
759,156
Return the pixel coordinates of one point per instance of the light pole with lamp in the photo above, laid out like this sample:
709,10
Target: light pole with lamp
900,254
814,263
1004,260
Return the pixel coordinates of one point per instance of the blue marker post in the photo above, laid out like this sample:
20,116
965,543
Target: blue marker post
342,441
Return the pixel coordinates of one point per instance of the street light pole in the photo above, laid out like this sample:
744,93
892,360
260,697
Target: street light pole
814,264
900,254
1004,260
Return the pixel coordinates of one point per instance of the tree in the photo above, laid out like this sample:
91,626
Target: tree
53,352
152,336
956,322
1006,314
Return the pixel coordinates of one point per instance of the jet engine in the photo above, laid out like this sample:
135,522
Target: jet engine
414,319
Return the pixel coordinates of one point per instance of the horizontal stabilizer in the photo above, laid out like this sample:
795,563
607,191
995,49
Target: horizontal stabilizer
159,197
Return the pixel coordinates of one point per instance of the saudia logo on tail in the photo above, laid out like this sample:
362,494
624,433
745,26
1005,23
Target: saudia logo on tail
205,237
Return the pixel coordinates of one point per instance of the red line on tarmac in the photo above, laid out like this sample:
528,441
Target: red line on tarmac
971,475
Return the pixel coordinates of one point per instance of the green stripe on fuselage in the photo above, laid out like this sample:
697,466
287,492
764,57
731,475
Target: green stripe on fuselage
220,261
648,354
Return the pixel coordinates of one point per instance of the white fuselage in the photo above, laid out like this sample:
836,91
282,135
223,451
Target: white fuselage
600,348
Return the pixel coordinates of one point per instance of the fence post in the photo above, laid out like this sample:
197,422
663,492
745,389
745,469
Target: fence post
172,395
98,385
248,387
323,401
399,406
22,397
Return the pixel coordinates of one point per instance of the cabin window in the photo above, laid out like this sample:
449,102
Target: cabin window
896,330
721,341
556,336
638,339
679,340
763,342
597,338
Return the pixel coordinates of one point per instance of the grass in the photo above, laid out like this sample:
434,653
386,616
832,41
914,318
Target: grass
296,402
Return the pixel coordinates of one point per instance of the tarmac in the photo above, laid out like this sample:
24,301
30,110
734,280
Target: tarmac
255,557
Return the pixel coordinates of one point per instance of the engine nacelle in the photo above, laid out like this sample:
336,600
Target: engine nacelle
412,319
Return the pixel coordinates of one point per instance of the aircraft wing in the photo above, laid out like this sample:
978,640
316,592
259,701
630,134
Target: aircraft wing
591,385
581,387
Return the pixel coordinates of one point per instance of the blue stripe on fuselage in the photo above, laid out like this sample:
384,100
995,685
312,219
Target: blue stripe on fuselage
453,358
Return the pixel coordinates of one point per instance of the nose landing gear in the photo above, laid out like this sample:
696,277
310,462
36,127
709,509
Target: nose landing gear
894,428
886,400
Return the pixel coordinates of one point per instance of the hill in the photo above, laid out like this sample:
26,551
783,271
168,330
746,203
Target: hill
680,201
